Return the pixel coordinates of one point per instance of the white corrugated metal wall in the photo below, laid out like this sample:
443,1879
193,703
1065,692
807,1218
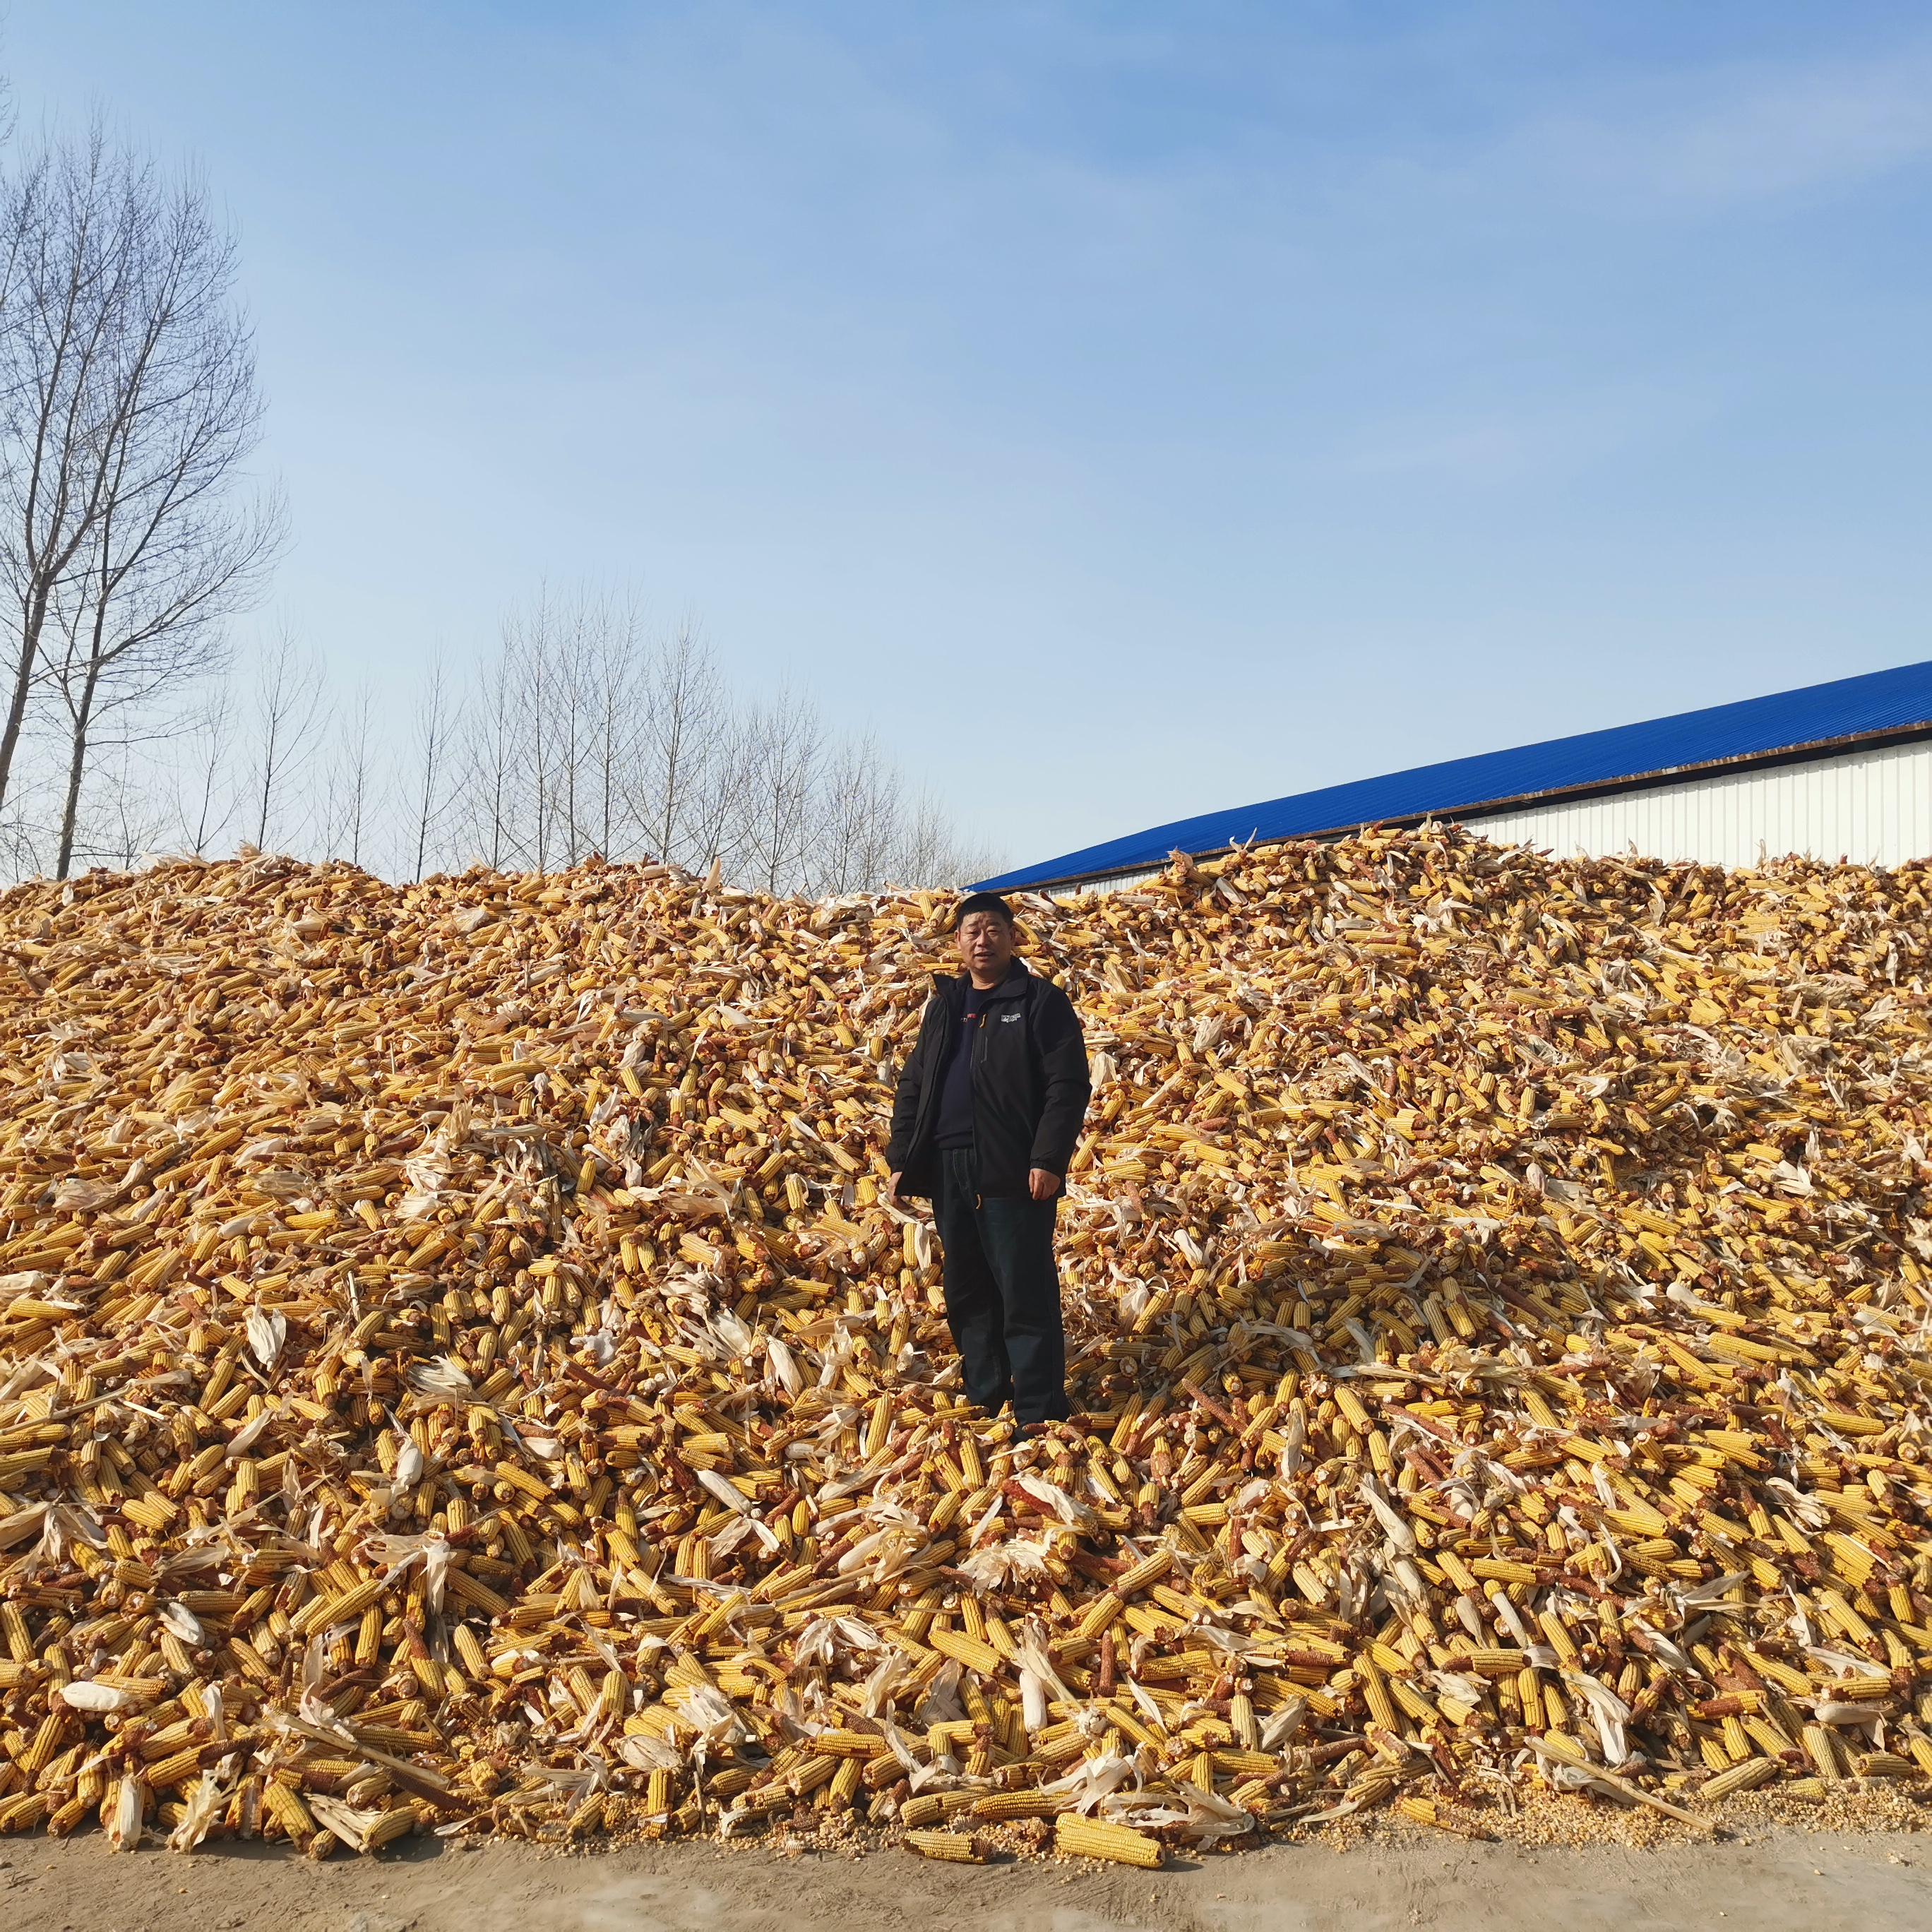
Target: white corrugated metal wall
1873,807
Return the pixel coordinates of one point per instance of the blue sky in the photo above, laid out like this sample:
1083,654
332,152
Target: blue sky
1127,410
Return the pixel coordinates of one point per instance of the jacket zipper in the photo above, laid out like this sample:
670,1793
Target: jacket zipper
977,1052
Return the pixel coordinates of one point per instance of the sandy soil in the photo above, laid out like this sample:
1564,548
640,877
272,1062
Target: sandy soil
1805,1882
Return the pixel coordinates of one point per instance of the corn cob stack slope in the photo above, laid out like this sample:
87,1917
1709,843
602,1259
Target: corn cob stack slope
457,1371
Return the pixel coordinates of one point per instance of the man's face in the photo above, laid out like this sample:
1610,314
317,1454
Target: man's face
985,942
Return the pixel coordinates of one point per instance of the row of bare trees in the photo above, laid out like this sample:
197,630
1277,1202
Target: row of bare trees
578,733
582,735
130,536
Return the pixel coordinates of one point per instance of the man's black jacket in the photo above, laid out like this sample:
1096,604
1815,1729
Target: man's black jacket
1030,1084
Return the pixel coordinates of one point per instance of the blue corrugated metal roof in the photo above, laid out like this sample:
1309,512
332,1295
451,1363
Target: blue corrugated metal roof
1847,708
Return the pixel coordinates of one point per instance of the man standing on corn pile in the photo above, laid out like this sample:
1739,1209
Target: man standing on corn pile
985,1119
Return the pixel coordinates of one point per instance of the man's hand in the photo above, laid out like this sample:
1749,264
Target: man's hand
892,1188
1042,1183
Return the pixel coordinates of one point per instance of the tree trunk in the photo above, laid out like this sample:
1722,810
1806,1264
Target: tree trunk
33,619
77,765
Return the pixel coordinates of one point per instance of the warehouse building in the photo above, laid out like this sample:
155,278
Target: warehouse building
1837,770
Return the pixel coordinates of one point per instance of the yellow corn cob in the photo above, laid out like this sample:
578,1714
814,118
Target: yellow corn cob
1494,1662
288,1810
174,1769
24,1811
1745,1777
1241,1719
1870,1685
63,1818
1017,1804
951,1847
847,1744
391,1825
1100,1613
40,1750
1087,1838
1822,1748
1149,1570
982,1657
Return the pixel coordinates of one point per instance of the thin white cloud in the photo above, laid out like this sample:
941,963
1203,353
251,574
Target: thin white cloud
1506,445
1715,141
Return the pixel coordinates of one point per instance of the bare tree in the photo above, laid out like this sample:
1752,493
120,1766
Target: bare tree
352,788
929,851
66,243
784,761
204,747
856,840
287,716
568,644
676,792
491,747
612,673
516,744
437,725
127,403
539,681
551,753
171,553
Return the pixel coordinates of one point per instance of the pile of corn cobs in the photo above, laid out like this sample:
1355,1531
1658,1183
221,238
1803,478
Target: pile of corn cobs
457,1369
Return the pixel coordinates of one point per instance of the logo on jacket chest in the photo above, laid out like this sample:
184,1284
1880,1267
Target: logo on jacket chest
1011,1019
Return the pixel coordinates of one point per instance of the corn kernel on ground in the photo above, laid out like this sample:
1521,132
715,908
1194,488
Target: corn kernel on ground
457,1368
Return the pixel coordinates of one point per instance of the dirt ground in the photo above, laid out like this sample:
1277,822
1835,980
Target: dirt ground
1807,1882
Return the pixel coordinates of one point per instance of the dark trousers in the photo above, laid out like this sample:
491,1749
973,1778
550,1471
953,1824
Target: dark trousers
1002,1293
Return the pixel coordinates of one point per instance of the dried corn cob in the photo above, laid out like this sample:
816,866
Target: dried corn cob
1088,1838
1002,1804
1745,1777
488,1286
951,1847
